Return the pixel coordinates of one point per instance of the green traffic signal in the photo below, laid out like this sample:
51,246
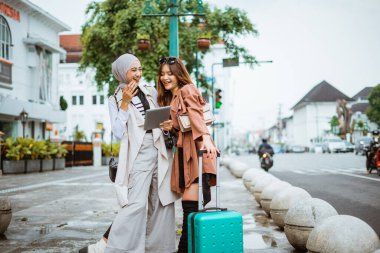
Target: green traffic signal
218,97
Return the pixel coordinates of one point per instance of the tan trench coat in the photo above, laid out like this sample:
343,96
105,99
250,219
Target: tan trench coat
189,100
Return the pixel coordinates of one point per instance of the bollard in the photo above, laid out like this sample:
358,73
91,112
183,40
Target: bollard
5,214
260,185
302,217
249,175
342,233
269,192
259,177
97,150
282,201
238,168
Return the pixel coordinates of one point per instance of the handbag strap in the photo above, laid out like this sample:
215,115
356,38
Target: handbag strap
117,106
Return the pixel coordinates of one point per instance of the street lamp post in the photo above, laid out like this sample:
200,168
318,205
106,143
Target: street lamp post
24,118
173,9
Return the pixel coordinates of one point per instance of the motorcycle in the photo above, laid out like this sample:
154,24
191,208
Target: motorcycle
373,162
266,161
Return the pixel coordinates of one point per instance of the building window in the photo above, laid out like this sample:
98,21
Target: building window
101,99
5,39
73,100
94,99
81,100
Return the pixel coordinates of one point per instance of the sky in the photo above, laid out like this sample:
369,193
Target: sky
308,41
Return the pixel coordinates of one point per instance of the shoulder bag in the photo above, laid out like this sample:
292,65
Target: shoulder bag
184,121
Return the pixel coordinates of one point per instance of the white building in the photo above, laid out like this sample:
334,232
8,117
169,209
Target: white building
222,80
29,59
312,114
87,107
358,108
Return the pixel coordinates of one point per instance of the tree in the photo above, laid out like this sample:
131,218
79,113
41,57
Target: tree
334,123
113,26
63,103
373,112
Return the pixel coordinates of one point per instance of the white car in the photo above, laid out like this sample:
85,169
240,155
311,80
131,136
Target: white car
334,145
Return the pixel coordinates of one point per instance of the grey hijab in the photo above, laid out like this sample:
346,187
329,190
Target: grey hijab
121,66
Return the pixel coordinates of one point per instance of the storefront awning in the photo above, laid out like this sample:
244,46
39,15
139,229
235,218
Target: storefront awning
11,108
44,44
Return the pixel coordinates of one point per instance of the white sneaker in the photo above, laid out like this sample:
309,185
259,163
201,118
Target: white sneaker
98,247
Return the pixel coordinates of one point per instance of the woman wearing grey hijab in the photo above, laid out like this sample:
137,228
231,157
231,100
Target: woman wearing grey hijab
144,170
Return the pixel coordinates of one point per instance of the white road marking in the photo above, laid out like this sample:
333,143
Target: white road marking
359,176
34,186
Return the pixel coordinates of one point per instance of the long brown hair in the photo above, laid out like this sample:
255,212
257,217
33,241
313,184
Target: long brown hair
179,70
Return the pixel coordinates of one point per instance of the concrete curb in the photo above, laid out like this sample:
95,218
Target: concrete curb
257,183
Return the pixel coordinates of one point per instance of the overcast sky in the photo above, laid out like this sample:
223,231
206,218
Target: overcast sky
308,41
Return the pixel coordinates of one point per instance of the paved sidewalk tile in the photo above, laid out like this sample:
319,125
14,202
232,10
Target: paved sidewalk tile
63,211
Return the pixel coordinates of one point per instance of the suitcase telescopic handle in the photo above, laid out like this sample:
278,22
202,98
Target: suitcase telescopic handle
200,169
213,209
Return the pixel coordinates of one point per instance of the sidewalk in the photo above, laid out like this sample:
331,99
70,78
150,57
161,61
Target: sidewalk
63,211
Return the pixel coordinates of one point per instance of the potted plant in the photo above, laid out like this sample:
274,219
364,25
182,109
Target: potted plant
143,41
106,152
34,161
59,158
204,41
47,156
14,156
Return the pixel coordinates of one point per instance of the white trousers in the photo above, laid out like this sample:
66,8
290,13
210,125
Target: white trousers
137,229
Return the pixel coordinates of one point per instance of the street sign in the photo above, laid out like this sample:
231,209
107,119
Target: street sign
230,62
218,124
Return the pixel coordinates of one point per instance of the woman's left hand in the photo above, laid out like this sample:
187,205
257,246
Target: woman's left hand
167,125
209,146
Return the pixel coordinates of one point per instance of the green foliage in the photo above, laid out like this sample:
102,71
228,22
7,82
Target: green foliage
79,136
63,103
334,123
106,149
373,111
27,148
113,26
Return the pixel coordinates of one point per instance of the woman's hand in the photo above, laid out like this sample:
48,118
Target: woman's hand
128,93
166,125
209,146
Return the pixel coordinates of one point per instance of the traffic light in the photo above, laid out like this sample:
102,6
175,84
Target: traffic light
218,98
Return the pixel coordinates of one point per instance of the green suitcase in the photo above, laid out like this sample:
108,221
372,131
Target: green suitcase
214,230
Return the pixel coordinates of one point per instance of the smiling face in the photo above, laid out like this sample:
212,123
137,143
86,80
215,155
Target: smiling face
168,79
135,72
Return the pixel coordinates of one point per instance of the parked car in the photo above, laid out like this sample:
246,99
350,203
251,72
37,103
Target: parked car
349,146
362,143
297,149
316,148
333,144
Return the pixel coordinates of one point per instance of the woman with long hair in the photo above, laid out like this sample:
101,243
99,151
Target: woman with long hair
175,88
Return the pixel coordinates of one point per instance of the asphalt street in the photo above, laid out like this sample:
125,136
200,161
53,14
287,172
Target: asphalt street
339,179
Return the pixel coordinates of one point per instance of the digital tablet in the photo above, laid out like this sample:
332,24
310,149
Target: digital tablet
153,117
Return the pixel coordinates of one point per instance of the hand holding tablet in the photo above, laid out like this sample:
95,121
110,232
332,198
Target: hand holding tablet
153,117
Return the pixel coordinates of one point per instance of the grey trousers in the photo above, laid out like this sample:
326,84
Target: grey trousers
137,229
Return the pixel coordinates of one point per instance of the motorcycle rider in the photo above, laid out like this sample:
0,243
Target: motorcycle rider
371,151
265,147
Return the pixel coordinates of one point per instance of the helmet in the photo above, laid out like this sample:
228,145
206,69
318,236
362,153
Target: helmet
264,140
375,133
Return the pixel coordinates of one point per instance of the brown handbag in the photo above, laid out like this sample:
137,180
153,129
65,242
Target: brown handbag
184,120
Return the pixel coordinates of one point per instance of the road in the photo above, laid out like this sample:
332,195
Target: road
339,179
